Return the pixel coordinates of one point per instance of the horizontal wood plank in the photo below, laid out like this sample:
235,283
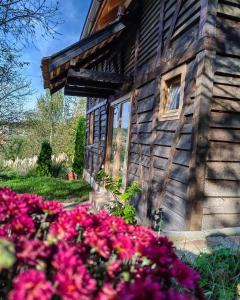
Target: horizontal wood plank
221,206
185,142
222,188
224,135
226,91
225,105
225,120
182,157
222,151
223,170
216,221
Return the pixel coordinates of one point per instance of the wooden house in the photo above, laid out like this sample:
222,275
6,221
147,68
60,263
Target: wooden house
162,78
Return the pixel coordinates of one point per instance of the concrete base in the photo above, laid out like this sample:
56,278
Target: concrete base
196,242
89,179
99,200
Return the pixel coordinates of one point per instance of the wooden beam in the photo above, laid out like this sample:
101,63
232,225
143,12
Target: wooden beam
87,92
201,116
172,26
149,193
97,76
88,89
83,45
93,84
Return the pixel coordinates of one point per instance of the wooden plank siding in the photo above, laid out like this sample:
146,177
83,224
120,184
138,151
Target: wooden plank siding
222,204
188,167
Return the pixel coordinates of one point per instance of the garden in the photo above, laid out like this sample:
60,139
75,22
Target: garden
54,245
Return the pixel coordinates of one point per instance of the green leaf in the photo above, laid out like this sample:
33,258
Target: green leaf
7,254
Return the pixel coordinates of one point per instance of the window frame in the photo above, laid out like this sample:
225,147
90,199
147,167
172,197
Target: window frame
168,115
113,105
91,127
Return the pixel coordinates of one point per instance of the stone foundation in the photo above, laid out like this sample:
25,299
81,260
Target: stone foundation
195,242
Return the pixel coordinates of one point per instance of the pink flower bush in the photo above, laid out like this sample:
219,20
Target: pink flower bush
72,255
31,285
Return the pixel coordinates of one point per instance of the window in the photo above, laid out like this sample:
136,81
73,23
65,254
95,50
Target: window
118,137
172,92
91,129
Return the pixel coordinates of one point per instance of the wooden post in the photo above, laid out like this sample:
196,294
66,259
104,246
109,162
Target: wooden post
201,116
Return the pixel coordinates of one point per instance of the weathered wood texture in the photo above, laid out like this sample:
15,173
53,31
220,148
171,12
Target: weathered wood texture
161,153
222,206
148,39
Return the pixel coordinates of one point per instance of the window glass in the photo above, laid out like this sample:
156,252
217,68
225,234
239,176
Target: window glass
172,94
116,114
119,143
174,89
124,139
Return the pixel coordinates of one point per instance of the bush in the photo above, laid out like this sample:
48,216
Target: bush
121,207
220,274
79,255
78,161
58,170
44,162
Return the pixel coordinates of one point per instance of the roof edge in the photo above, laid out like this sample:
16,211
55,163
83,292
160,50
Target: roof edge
91,17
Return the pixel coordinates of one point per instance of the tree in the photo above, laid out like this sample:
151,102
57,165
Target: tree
44,162
14,88
20,22
13,148
51,112
78,162
54,119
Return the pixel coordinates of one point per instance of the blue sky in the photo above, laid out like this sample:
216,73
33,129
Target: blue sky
73,14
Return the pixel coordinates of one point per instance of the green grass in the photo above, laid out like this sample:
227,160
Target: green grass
50,188
220,273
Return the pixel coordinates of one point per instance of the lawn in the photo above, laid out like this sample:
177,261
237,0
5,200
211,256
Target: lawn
50,188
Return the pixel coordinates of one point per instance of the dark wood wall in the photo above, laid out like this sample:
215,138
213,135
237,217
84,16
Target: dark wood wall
222,185
163,155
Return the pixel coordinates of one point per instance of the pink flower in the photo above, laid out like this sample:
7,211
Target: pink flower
31,252
23,224
113,267
185,275
75,284
98,240
107,292
81,217
51,207
66,257
4,231
3,211
142,290
33,201
123,246
31,285
160,250
88,256
64,227
6,194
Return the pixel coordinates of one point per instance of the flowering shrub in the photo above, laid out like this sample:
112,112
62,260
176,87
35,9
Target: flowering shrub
73,255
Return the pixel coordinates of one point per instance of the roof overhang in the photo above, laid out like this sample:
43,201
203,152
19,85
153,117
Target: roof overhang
91,83
96,9
84,54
